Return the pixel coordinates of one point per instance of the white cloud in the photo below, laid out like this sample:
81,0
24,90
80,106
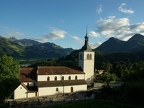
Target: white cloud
93,34
111,17
77,39
112,27
14,34
119,28
94,45
99,10
139,27
55,34
123,10
42,40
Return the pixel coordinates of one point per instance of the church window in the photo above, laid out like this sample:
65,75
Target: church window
90,56
36,94
55,78
75,77
69,77
57,89
48,78
71,89
62,78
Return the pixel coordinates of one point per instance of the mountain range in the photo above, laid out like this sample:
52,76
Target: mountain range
30,49
113,45
26,48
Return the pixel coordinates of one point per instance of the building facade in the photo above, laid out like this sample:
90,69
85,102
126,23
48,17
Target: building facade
53,80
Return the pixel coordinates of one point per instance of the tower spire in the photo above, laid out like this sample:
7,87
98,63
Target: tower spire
86,46
86,30
86,37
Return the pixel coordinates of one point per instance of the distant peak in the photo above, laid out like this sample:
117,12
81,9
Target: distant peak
136,37
112,38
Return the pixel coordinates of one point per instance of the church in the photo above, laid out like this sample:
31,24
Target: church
52,80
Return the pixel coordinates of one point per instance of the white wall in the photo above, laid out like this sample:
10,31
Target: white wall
66,77
31,94
43,91
87,65
76,88
20,92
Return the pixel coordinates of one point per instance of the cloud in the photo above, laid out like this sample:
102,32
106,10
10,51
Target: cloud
119,28
93,34
111,17
139,27
55,34
112,27
4,27
94,45
14,34
77,39
42,40
99,10
121,9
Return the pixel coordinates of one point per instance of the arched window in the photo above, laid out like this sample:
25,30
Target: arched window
62,78
55,78
71,89
69,77
88,56
48,78
57,89
75,77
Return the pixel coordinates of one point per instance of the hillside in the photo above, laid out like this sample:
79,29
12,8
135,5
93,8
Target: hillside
26,48
10,48
134,44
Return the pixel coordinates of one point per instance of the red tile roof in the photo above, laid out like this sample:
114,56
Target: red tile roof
54,70
27,75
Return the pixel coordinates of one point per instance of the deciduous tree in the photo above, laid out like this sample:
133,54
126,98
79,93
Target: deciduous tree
9,69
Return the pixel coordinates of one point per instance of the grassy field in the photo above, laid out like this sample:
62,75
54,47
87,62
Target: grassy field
92,104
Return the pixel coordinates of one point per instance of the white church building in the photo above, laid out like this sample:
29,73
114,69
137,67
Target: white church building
52,80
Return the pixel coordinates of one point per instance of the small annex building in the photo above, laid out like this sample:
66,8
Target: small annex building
52,80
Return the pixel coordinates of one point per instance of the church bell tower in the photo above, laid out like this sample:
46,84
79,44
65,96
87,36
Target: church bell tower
86,61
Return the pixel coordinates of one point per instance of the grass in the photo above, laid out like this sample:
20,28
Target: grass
92,104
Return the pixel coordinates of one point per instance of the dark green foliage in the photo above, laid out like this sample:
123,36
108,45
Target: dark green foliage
69,60
107,77
9,69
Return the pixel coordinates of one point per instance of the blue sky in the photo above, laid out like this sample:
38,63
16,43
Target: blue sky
64,22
